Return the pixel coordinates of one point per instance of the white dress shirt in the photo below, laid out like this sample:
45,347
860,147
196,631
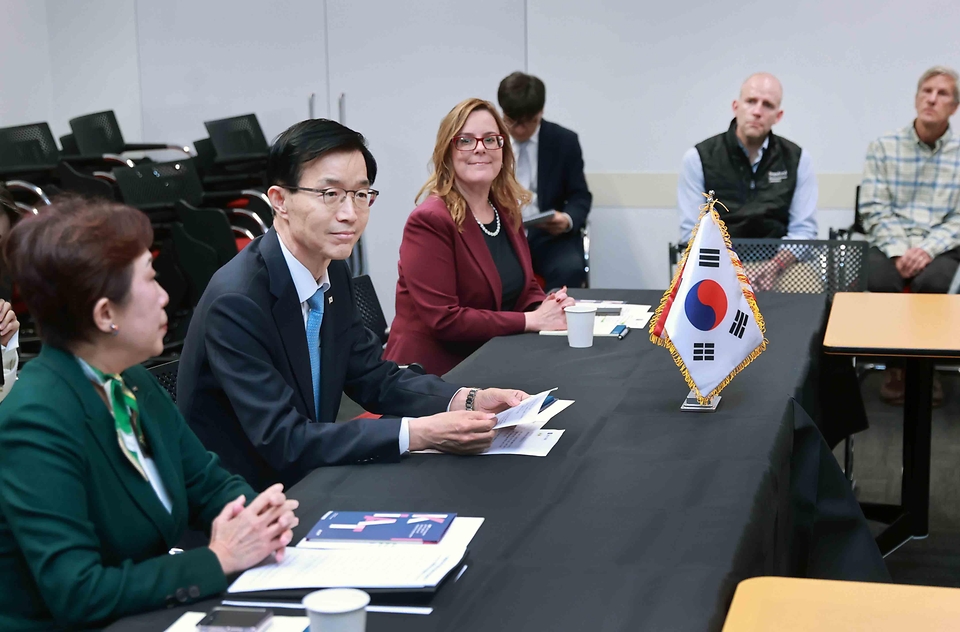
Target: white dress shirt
529,180
307,286
9,360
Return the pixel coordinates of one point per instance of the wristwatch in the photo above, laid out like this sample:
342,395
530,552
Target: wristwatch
470,397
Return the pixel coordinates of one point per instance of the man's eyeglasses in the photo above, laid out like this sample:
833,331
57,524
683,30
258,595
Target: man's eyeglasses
469,143
335,196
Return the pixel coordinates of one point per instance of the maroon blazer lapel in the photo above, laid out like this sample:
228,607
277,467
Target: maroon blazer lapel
477,247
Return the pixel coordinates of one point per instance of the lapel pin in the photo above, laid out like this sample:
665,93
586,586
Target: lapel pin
330,300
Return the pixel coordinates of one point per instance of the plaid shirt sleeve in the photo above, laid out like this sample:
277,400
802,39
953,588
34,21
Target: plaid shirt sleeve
944,236
882,225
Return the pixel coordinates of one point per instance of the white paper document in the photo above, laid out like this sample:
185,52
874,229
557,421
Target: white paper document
633,316
525,440
524,412
374,567
551,411
458,536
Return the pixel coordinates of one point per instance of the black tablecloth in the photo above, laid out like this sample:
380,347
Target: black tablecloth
642,517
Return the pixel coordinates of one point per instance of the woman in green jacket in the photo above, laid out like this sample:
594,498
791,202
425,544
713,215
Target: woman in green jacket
99,474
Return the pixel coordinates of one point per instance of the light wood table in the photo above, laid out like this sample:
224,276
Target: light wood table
788,604
920,328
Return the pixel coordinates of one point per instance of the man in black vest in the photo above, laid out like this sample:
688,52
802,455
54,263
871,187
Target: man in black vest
766,182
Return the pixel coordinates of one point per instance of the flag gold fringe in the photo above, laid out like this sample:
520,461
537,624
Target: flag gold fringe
664,340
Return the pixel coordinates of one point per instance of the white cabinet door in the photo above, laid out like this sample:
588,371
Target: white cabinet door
401,67
207,59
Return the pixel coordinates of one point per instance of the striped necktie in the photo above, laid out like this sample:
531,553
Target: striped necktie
314,320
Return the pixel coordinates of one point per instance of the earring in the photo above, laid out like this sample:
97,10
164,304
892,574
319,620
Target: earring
114,330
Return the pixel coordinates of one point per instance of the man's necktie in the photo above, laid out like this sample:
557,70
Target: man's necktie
314,320
524,172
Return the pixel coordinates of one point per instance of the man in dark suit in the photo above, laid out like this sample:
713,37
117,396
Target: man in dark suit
277,336
550,165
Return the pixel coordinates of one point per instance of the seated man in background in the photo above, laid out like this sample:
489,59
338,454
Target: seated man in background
277,337
910,204
549,165
766,182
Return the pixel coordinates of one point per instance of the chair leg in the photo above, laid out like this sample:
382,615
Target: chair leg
848,461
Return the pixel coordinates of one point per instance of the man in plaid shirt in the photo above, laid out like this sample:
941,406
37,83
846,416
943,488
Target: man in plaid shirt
910,203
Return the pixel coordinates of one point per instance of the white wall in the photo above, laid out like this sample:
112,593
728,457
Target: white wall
642,82
93,62
25,95
203,60
399,84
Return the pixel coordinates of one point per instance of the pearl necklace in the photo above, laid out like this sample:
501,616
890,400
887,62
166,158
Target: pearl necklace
484,228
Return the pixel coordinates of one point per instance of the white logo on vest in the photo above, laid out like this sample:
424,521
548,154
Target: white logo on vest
776,177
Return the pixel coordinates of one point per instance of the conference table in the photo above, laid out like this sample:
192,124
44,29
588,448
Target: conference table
918,329
642,517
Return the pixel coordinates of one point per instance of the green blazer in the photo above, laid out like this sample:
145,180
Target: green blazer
83,536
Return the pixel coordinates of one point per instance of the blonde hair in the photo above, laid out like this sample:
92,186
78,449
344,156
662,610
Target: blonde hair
937,71
505,192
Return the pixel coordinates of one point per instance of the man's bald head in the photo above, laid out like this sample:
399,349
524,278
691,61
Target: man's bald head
763,81
758,108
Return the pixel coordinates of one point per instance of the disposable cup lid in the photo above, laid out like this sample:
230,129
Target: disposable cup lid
336,600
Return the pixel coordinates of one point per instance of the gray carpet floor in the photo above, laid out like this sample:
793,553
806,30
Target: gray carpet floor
878,457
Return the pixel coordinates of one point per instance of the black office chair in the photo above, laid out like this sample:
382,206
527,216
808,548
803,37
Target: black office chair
99,134
68,145
238,139
28,162
166,374
212,226
370,311
155,188
854,229
101,185
172,279
823,266
197,260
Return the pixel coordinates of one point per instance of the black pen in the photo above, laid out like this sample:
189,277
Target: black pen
623,334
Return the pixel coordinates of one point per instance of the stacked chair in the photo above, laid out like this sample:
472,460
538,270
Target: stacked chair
99,135
234,155
196,231
203,209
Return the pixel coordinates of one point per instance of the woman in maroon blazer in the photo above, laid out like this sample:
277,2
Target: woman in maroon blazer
465,269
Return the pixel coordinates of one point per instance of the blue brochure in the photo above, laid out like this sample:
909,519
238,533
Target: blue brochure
368,526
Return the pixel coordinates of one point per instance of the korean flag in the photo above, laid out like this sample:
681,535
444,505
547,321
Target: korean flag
709,318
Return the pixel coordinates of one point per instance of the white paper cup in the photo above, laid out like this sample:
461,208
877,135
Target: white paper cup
580,325
337,610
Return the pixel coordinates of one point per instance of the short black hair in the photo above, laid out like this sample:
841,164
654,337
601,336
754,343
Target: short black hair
308,140
521,96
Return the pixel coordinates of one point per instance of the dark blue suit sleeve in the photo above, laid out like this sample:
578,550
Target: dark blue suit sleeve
382,387
264,402
577,195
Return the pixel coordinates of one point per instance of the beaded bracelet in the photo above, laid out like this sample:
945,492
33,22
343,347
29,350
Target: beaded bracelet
470,397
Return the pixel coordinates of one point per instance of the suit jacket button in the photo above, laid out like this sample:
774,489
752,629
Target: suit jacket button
181,595
194,592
